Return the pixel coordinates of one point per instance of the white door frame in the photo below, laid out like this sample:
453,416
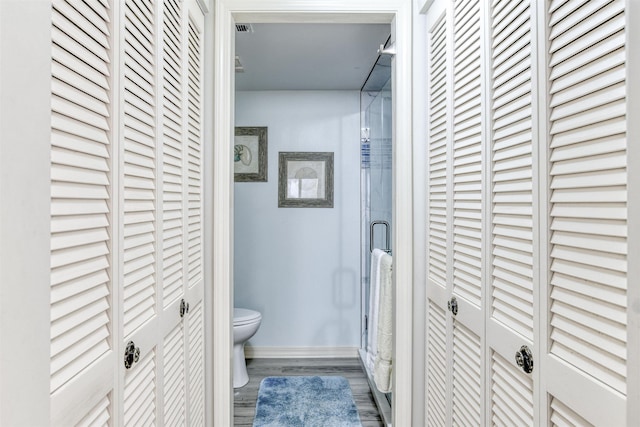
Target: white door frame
220,205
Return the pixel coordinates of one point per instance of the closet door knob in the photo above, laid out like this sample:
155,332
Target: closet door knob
452,306
524,359
184,307
131,354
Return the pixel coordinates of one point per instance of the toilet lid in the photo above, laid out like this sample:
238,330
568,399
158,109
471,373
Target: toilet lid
242,316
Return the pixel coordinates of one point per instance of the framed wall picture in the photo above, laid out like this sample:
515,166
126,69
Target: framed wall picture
250,154
305,180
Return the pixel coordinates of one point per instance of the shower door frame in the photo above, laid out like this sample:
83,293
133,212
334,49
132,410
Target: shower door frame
219,201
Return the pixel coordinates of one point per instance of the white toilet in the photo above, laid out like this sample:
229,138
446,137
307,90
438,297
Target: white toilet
245,324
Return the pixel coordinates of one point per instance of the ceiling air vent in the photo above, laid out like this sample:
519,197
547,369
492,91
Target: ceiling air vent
244,28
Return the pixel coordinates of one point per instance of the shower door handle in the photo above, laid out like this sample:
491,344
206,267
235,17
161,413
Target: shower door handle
388,235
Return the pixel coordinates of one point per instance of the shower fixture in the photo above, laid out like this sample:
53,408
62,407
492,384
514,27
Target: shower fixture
391,50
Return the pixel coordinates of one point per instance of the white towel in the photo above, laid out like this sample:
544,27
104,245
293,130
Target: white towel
383,362
374,303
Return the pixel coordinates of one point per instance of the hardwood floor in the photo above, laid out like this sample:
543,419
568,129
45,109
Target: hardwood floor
245,398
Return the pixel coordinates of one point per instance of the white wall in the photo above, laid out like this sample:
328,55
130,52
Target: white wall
25,227
300,267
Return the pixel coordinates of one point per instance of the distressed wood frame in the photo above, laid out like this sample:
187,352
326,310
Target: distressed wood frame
263,166
283,167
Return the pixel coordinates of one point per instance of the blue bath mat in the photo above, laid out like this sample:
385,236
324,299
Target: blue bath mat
306,402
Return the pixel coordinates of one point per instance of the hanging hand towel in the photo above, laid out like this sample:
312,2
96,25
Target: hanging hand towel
383,362
374,303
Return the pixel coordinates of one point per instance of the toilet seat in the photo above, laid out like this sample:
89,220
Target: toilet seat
243,316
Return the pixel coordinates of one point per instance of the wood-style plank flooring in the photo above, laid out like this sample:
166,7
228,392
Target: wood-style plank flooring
245,398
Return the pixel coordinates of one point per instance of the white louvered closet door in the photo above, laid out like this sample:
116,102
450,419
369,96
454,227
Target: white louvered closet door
552,172
127,213
139,227
173,214
438,342
467,214
194,287
83,348
586,362
512,279
455,341
162,197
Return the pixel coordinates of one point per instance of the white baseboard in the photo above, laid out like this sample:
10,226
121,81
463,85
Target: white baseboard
298,352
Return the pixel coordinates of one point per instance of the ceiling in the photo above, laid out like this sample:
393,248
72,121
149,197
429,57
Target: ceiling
308,56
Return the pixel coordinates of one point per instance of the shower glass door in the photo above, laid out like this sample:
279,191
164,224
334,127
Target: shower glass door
376,171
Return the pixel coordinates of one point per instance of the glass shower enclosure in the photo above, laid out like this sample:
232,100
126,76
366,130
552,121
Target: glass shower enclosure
376,191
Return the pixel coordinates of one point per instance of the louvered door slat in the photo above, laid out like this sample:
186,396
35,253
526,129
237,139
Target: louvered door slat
510,38
583,334
594,303
512,293
437,190
98,416
139,166
596,113
140,393
83,145
194,153
76,48
80,188
436,371
467,374
509,51
143,34
589,17
566,61
83,75
172,152
92,323
561,415
69,129
587,93
141,124
174,378
71,177
511,394
566,150
588,182
567,7
80,32
509,24
94,102
196,365
85,19
467,152
69,106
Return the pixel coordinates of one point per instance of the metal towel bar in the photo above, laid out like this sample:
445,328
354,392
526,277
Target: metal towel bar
388,235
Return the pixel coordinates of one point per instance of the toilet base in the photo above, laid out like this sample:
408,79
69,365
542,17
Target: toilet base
240,376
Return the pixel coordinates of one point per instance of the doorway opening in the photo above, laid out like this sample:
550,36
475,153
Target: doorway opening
221,296
298,263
